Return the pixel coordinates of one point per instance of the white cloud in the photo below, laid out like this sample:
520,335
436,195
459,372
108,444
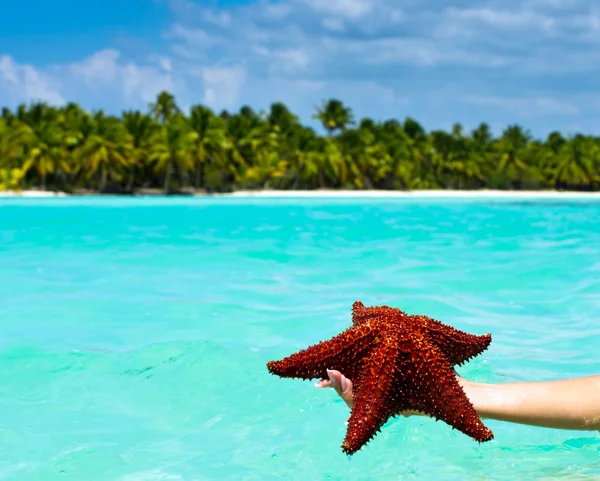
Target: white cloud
24,83
101,77
553,3
106,80
276,11
526,106
144,82
334,24
100,67
165,64
195,36
8,70
346,8
222,86
493,61
284,61
502,18
217,17
108,72
419,51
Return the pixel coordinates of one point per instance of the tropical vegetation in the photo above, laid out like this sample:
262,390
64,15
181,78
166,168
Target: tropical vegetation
174,151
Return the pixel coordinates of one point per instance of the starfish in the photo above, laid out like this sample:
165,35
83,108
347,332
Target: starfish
396,362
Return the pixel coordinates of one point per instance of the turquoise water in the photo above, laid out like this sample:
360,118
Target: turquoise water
134,332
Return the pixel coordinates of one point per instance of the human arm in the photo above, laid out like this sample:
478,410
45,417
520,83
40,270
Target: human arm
562,404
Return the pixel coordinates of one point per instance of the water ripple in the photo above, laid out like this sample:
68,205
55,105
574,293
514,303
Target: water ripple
133,341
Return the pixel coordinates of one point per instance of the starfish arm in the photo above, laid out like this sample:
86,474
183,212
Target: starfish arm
372,405
434,390
458,346
342,352
360,313
397,363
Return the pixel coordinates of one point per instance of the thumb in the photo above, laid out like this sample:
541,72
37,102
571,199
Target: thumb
342,386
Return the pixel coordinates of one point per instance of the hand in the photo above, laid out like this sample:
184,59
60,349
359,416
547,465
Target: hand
341,384
561,404
343,387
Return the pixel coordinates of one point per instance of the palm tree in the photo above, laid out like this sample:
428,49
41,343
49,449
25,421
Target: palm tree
211,143
482,137
575,163
300,146
397,173
334,115
43,141
13,135
555,141
414,129
7,114
365,159
281,117
164,107
261,147
172,149
511,148
68,147
330,163
141,128
105,152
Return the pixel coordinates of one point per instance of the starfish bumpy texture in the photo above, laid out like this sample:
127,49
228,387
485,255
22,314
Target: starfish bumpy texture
396,362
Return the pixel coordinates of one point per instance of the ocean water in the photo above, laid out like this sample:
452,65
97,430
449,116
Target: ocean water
134,332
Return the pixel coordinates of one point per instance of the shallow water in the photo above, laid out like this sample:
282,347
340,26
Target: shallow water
134,332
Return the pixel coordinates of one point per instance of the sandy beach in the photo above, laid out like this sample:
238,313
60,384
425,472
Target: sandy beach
451,194
31,193
539,194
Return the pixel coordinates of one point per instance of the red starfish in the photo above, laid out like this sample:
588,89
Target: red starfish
397,363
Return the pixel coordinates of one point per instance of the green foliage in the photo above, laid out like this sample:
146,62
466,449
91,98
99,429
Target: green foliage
69,149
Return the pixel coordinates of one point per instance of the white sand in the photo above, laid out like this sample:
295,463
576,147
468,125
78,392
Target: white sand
31,193
432,194
514,194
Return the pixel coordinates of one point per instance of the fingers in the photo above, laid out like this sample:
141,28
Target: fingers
347,394
336,380
343,387
341,384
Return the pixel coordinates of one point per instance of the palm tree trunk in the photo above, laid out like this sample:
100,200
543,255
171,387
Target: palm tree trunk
183,177
103,177
60,180
131,180
168,177
201,173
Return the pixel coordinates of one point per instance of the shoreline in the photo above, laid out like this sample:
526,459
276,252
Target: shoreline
357,194
31,193
426,194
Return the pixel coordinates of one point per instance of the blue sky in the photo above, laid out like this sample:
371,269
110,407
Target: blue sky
532,62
